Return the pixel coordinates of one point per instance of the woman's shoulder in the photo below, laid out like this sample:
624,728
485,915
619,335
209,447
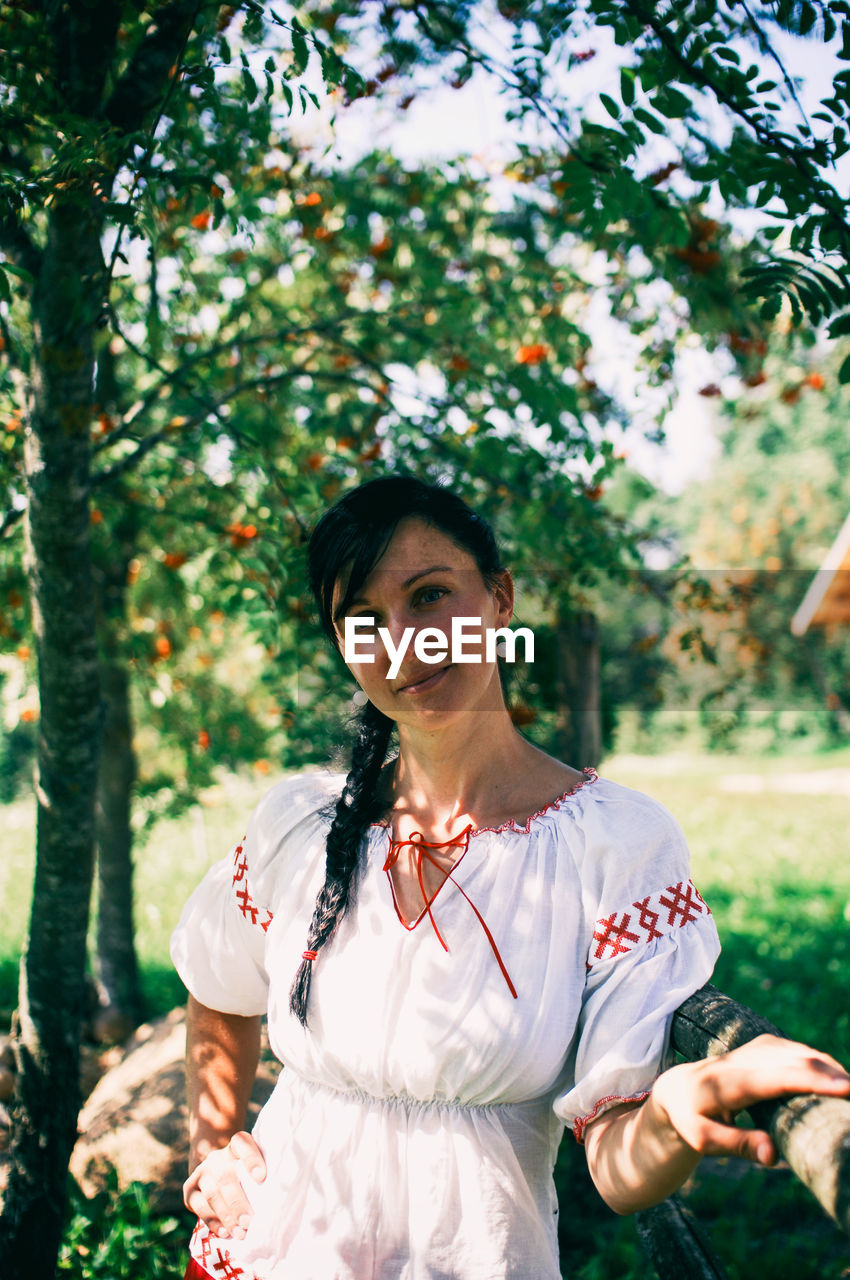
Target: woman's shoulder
620,839
298,795
294,811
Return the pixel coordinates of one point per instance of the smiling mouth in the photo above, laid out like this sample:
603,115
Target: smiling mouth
427,682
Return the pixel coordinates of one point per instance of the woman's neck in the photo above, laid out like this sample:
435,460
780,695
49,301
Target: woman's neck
448,779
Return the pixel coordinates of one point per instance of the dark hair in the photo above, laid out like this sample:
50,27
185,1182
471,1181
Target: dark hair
346,544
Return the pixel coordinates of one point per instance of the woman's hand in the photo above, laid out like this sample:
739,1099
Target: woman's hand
640,1154
213,1191
699,1100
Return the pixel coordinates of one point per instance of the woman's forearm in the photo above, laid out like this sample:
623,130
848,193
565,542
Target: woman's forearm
222,1052
636,1157
639,1155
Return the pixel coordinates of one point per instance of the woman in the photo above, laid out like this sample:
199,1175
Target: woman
486,945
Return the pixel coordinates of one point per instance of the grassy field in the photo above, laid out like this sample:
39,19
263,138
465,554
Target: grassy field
770,844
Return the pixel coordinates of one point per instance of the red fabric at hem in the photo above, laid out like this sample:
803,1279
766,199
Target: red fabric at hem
194,1272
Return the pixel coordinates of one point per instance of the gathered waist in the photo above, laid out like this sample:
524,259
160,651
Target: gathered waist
406,1102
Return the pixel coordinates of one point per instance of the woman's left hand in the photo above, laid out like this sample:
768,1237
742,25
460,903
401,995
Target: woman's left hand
699,1100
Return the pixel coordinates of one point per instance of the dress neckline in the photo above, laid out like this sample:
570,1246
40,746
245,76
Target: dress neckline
422,847
513,824
460,841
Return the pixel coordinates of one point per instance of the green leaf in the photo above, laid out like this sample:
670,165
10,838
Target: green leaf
249,84
610,105
844,371
627,86
652,122
224,51
840,327
300,48
20,272
808,17
671,103
124,214
332,65
844,52
5,290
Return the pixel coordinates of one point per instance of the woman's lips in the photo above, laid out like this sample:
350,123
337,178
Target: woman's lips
428,682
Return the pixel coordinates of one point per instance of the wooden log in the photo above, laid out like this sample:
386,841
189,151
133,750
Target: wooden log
812,1133
675,1244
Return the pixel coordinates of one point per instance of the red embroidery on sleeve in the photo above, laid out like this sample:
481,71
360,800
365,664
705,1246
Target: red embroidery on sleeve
615,1099
252,913
611,933
615,935
214,1258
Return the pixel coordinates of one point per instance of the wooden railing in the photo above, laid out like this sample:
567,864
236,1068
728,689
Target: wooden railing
811,1133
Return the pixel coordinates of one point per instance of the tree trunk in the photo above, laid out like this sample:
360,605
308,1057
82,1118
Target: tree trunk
118,989
579,728
67,295
119,992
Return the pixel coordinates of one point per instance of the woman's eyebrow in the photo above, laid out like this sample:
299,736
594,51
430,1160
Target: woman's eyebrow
408,582
423,573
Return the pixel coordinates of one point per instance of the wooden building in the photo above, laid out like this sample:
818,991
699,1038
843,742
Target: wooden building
827,601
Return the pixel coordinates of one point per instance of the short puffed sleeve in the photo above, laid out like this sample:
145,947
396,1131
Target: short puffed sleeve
652,943
219,945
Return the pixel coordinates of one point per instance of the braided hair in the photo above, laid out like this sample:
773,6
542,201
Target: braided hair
344,548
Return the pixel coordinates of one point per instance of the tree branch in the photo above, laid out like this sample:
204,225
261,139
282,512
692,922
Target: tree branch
146,79
777,142
769,52
83,44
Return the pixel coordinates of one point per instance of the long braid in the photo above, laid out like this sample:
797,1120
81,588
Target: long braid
355,809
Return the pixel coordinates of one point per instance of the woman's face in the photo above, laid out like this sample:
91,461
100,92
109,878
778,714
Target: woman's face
424,580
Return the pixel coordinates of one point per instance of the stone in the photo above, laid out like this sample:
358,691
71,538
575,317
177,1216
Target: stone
135,1120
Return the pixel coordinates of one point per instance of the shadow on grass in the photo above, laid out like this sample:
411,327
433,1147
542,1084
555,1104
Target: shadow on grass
790,964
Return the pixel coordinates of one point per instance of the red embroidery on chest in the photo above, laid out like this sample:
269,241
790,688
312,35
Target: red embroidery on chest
614,935
252,913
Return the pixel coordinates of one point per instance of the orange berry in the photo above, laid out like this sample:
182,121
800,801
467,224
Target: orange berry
534,353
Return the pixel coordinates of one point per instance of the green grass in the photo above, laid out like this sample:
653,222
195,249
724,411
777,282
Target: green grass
773,864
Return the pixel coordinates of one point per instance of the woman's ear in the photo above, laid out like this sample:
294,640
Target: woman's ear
503,590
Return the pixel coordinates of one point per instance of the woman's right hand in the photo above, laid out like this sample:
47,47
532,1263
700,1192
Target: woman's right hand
213,1191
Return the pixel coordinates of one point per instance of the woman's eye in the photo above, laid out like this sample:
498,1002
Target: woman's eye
430,595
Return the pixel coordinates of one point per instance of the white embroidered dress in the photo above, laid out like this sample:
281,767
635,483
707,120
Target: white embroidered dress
413,1131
